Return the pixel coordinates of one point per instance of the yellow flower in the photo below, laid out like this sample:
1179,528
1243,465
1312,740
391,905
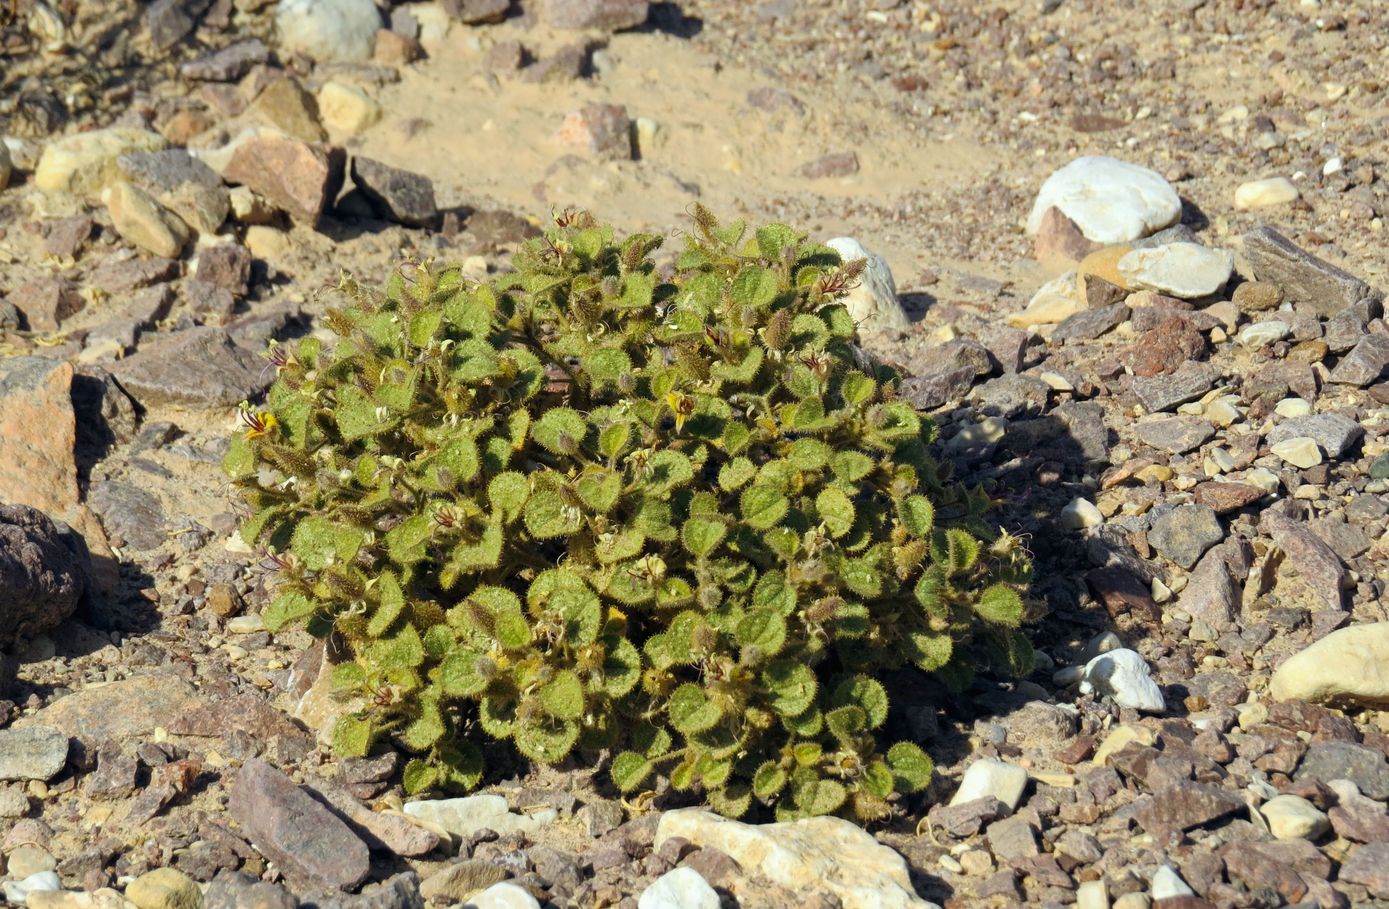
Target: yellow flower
258,424
683,405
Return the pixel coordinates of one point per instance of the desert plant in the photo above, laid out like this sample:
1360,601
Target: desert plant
582,506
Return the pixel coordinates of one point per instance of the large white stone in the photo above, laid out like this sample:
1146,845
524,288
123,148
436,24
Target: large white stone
85,163
1167,884
1123,676
1263,193
1347,666
682,888
1292,817
1111,201
329,30
505,895
873,303
1185,270
990,776
17,892
819,853
463,816
1055,301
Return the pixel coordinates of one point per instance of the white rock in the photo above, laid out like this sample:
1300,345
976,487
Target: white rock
435,21
1111,201
346,109
462,816
85,163
1080,514
1123,676
682,888
1299,451
1185,270
986,432
245,624
1055,301
1092,895
505,895
825,853
1291,817
1132,901
1263,193
873,303
1333,166
1292,407
990,776
1265,479
17,892
329,30
1223,411
1262,334
1350,665
1167,884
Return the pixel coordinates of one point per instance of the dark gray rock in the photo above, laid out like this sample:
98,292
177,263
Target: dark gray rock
1089,324
1304,279
170,21
607,15
396,195
1310,557
32,753
1160,393
105,414
239,890
129,513
1334,432
43,575
1365,767
126,275
1185,532
137,315
1084,422
1343,331
399,892
1174,434
1011,395
1008,348
228,64
182,183
1365,363
310,844
227,265
931,391
200,367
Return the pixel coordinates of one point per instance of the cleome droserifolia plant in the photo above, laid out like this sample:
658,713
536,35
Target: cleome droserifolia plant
585,508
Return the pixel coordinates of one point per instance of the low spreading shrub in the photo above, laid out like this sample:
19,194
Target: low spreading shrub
585,507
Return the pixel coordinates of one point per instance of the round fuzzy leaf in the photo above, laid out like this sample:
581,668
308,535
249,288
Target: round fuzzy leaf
419,776
736,473
930,593
929,652
1000,605
290,606
861,691
563,696
774,593
560,430
617,546
606,366
851,466
621,667
548,518
792,686
612,441
917,515
667,469
456,463
352,736
629,770
691,710
809,454
847,722
756,287
391,601
702,536
911,767
460,765
513,631
319,542
835,509
731,801
497,716
426,729
763,507
764,630
878,779
769,780
599,489
857,388
458,675
819,797
547,741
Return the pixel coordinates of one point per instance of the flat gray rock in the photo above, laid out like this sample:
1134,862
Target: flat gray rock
1306,280
34,753
1334,432
201,367
1159,393
1185,532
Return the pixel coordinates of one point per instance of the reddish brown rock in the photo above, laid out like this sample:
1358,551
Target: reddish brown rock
1121,592
1276,865
307,841
1060,245
839,164
38,433
298,177
1316,562
46,302
1225,497
1164,349
1184,805
608,15
602,130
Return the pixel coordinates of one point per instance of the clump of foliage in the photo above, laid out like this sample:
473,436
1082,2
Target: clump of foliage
582,506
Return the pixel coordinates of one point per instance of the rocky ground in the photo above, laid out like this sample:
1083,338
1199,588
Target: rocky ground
1171,378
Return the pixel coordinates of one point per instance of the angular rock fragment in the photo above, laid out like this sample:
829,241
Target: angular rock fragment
1305,279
